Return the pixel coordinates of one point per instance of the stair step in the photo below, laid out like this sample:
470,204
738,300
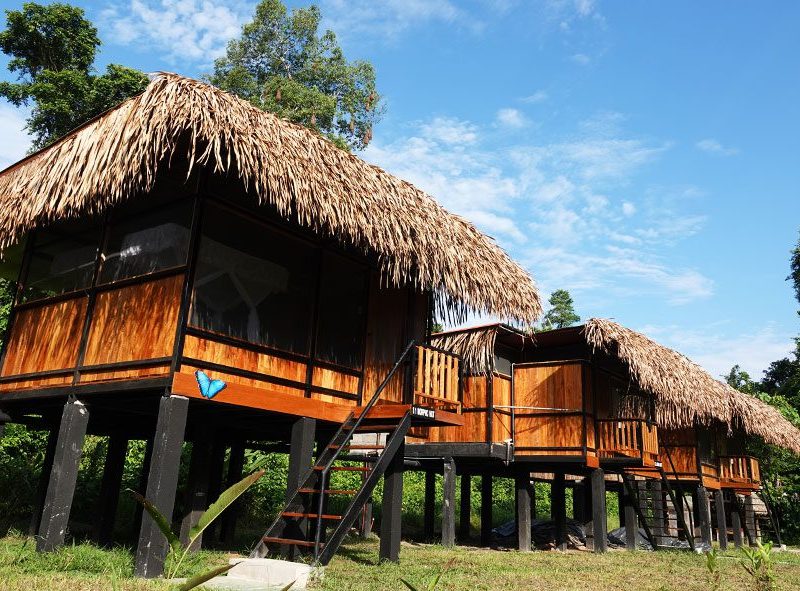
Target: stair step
345,468
289,542
311,515
328,491
359,446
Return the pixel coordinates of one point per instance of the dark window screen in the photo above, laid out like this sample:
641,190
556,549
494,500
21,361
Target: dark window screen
62,260
342,308
147,242
253,283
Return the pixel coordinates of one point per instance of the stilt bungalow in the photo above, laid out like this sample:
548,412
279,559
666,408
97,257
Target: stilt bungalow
192,269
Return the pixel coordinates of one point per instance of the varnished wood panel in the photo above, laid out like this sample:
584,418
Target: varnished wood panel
243,381
124,374
474,428
501,396
46,338
556,387
683,462
335,380
271,365
36,383
135,322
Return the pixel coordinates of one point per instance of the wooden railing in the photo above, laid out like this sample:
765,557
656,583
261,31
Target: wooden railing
628,438
437,379
739,471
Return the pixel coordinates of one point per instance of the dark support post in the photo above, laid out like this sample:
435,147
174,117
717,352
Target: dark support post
736,521
392,508
628,511
579,502
558,509
143,473
599,525
486,509
234,475
216,470
44,478
659,509
449,503
523,489
704,513
162,482
109,490
750,520
722,528
63,475
196,490
430,505
301,456
465,509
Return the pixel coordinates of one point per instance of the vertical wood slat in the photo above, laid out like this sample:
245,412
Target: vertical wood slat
427,381
420,367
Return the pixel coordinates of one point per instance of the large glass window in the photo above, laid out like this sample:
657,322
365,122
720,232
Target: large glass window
142,243
63,259
253,283
342,308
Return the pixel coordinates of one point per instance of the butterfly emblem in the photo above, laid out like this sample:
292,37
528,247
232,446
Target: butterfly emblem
208,387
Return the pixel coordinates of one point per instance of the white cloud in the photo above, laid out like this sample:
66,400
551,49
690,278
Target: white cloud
581,59
717,350
713,146
16,140
628,208
512,118
449,130
194,31
537,97
599,158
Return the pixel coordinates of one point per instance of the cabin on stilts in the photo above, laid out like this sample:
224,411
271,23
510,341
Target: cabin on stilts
600,407
192,269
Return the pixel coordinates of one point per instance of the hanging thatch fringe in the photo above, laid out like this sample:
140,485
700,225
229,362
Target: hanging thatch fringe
476,347
289,167
684,393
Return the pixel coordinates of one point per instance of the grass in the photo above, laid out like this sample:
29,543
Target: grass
84,567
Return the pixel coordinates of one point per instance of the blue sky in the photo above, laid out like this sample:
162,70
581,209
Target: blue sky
642,155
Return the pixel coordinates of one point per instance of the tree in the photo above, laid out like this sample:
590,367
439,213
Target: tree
794,276
561,312
740,379
52,51
283,65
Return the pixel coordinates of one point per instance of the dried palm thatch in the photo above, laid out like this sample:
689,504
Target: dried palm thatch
302,175
475,346
684,393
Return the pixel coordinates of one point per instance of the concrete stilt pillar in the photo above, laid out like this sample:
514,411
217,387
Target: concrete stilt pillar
392,508
486,510
196,490
108,500
704,514
63,476
599,515
523,487
465,508
44,479
722,527
449,503
558,509
234,475
429,505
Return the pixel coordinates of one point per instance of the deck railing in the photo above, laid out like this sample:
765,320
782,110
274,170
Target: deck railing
622,439
737,471
437,379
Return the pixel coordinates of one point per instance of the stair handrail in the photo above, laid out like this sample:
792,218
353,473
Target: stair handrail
326,469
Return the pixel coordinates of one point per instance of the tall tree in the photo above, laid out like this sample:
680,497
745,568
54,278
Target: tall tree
794,276
52,49
561,312
282,64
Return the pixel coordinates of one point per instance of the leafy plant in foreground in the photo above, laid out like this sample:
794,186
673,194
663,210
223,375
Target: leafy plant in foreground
712,564
433,581
177,550
758,563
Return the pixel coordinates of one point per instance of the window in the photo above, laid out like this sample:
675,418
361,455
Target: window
502,364
147,242
342,310
253,283
63,259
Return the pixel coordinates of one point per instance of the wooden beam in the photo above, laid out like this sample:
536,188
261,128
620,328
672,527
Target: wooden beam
486,510
449,503
392,508
108,499
722,527
736,521
628,513
704,514
558,509
301,457
464,512
659,511
599,516
522,485
162,481
429,508
63,476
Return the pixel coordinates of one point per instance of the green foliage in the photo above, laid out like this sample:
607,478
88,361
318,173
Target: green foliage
712,565
433,581
562,311
52,50
758,563
178,552
794,275
282,64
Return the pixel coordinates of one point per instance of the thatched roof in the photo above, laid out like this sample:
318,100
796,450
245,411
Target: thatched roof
684,393
301,174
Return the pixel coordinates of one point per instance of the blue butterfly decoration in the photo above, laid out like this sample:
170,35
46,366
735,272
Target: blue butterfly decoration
208,387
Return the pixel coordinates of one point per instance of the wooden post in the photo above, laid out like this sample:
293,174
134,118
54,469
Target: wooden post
579,502
599,516
301,456
736,521
465,508
392,508
522,483
722,527
658,512
234,475
162,481
430,505
704,513
216,472
63,476
196,490
144,471
558,509
44,478
486,509
751,521
628,511
108,500
449,503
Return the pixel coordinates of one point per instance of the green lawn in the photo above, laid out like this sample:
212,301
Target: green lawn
83,567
